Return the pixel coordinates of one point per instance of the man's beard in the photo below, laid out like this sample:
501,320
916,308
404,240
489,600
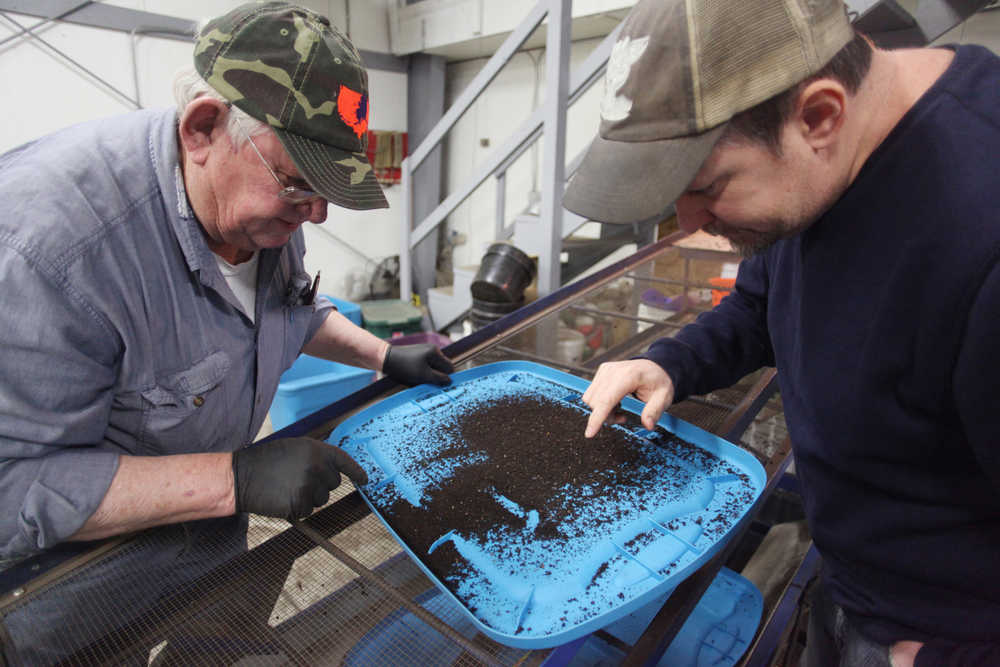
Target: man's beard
749,243
756,244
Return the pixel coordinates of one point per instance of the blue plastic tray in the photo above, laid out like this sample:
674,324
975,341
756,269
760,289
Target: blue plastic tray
649,541
313,383
717,632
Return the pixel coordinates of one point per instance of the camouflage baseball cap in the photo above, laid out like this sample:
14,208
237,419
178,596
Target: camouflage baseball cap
288,67
678,72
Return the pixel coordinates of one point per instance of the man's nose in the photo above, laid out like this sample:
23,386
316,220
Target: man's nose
313,211
692,214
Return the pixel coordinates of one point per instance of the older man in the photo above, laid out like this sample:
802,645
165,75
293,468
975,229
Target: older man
860,185
155,291
154,287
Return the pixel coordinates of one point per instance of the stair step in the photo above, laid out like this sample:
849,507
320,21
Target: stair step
446,305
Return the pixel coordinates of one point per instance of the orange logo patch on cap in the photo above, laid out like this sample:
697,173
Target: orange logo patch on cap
353,109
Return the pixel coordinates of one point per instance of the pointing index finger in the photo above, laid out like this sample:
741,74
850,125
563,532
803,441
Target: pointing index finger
601,409
343,462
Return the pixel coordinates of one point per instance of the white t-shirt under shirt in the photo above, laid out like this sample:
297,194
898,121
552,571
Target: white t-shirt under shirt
242,279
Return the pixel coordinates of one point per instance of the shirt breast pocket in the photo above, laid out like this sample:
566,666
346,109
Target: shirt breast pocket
183,410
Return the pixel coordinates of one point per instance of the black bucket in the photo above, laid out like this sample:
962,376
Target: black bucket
487,312
503,274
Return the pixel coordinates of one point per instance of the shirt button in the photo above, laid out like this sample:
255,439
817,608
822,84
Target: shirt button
199,401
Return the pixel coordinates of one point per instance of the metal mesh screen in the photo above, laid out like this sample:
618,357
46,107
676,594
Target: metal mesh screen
263,592
285,601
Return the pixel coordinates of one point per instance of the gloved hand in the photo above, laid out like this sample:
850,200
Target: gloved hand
416,364
289,477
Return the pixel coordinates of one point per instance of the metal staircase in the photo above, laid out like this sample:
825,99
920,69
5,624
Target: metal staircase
539,233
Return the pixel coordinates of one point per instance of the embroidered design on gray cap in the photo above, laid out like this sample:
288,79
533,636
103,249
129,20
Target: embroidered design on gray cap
625,53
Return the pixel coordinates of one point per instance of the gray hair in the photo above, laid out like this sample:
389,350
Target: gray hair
188,86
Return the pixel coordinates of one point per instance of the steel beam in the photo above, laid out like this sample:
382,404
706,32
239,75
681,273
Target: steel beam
553,156
891,26
936,17
385,62
136,22
425,104
110,17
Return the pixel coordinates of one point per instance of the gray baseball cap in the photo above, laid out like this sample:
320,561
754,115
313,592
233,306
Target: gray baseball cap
289,67
679,71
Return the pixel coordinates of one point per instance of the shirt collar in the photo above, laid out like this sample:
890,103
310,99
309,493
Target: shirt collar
188,230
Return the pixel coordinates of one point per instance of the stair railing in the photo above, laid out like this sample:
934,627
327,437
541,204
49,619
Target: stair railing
549,120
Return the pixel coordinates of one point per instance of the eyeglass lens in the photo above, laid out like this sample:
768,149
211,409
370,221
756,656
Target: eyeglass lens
296,195
289,193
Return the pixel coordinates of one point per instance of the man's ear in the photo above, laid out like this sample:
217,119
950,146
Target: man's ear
203,117
820,112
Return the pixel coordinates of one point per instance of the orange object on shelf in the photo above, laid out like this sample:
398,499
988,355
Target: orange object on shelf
718,294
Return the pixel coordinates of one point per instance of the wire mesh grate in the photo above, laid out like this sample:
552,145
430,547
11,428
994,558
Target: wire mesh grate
259,591
286,601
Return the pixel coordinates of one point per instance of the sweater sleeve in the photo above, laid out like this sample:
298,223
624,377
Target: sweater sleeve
723,344
974,380
949,654
978,404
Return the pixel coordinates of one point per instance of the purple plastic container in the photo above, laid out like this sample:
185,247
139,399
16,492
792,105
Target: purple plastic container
423,337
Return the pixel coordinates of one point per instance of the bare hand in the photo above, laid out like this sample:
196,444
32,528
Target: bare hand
903,653
616,379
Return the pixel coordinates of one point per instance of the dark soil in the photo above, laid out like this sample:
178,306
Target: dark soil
530,450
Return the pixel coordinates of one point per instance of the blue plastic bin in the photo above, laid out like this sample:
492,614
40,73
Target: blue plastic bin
348,309
313,383
717,632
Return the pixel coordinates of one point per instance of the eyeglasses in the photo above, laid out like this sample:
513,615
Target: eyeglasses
289,193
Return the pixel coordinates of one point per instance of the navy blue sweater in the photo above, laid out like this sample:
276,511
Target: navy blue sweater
883,320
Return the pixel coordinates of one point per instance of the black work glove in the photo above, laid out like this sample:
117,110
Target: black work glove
416,364
289,477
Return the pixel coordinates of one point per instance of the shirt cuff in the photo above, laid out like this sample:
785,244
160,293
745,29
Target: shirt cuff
67,490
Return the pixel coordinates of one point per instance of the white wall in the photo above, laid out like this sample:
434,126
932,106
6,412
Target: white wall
43,93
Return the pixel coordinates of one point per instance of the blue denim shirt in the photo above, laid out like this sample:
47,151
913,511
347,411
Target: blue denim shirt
119,333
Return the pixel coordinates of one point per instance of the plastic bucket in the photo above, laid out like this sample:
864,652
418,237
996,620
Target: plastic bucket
503,274
487,312
390,317
431,337
494,309
570,346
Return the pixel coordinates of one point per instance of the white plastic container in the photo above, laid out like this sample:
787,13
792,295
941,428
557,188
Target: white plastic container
570,346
